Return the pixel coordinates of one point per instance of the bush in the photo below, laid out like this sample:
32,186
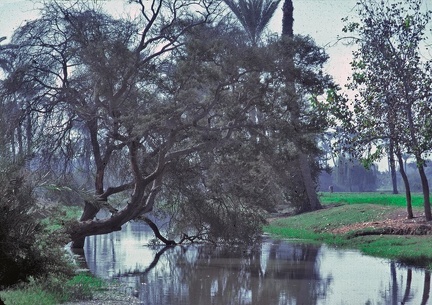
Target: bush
27,248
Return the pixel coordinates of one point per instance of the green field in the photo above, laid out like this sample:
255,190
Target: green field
356,208
397,200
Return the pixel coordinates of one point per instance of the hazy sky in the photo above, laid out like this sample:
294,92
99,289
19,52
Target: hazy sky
321,19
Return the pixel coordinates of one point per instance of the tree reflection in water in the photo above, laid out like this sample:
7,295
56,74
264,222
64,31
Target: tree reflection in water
271,273
225,275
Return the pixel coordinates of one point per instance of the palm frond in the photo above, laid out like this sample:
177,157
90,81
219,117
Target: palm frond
253,15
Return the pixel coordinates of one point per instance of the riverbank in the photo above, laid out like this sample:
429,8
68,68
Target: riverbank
115,293
82,289
374,229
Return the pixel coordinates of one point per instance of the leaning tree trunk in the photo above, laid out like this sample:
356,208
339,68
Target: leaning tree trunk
420,165
303,160
141,202
89,213
406,184
91,209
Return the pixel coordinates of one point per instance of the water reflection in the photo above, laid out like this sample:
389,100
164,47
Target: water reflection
273,273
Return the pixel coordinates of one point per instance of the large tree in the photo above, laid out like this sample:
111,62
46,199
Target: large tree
97,82
155,113
302,167
299,176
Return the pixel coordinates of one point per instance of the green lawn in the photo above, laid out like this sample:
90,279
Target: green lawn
374,198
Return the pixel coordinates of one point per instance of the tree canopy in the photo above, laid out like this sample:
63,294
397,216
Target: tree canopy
160,115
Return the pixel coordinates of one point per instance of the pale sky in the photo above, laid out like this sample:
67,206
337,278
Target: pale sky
320,19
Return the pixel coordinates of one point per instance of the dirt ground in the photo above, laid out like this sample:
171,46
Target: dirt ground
395,223
115,294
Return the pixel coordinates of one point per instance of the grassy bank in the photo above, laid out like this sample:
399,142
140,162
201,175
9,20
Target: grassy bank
58,284
317,227
51,290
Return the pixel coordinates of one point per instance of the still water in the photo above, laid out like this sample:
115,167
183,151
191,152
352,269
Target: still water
275,272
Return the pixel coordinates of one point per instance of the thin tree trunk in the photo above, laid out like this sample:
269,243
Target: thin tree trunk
20,142
392,164
29,135
420,165
407,185
425,188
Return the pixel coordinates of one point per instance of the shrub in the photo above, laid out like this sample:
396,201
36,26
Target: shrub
27,248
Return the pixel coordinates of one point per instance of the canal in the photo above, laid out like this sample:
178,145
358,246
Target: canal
273,272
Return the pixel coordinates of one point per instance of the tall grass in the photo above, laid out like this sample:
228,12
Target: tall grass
30,296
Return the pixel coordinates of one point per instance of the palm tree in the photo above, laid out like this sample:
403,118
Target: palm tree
288,19
254,15
303,166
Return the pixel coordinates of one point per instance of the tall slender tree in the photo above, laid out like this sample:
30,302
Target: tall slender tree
302,166
254,15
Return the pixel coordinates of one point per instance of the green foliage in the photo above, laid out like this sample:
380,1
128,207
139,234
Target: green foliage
390,79
81,287
224,189
59,216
